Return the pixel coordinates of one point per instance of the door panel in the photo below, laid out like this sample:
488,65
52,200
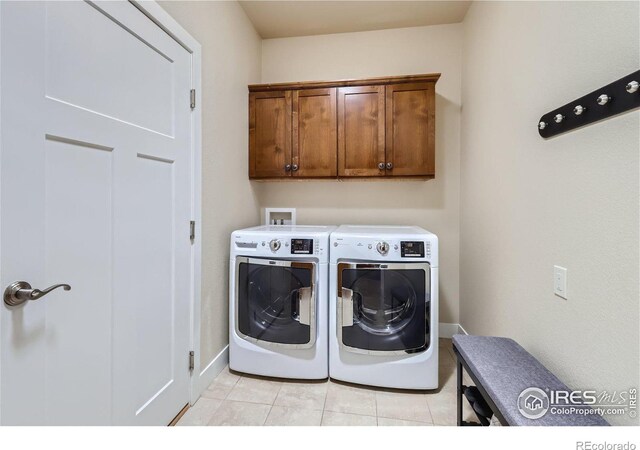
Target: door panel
96,192
132,75
270,134
410,133
156,303
78,251
361,131
314,133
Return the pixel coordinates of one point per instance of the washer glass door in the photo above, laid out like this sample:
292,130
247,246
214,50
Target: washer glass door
275,301
384,307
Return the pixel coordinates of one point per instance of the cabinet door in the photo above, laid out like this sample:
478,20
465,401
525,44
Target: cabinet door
361,131
314,133
269,134
410,129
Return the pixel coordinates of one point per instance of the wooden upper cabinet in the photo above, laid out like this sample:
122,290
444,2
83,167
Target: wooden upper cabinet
269,134
376,127
410,133
361,131
314,133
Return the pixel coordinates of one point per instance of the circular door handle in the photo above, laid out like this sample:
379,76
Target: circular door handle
389,166
294,167
287,168
381,166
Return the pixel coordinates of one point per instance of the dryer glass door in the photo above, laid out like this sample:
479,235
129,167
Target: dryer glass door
275,301
384,308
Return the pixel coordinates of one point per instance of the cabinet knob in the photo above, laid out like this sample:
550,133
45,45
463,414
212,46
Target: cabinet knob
389,166
294,167
381,166
287,167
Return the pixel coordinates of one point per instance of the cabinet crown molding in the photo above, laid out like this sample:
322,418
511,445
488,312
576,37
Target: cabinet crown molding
429,77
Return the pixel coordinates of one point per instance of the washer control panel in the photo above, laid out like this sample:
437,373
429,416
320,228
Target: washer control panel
302,246
280,245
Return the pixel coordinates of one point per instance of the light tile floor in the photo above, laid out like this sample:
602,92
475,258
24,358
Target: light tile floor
239,399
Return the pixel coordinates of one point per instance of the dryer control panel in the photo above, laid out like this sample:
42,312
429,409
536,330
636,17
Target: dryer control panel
412,249
389,249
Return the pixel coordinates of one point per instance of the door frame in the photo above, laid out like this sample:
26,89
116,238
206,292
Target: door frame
169,25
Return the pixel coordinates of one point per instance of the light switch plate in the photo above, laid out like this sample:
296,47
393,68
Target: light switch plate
560,281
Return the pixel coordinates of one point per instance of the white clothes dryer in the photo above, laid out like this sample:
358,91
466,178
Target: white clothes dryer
383,307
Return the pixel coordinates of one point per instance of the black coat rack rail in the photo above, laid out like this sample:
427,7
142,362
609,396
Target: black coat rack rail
615,98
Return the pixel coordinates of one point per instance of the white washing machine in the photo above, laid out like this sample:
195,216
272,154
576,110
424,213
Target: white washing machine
278,301
383,306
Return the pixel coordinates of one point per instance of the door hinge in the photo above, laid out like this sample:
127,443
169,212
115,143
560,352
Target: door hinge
192,230
192,98
192,361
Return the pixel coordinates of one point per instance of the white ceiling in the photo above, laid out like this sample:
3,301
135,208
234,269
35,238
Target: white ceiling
276,19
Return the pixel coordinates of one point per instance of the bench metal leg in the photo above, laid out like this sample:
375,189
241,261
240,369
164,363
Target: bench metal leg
459,391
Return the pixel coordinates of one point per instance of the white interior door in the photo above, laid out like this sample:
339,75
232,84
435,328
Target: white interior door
95,192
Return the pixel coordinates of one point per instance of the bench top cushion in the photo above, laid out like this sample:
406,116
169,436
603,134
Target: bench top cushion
505,369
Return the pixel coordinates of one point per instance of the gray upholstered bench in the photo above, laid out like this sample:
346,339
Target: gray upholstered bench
501,370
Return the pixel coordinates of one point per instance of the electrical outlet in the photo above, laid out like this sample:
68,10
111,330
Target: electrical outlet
560,281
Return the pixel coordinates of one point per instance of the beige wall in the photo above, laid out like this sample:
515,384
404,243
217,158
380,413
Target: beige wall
230,61
433,204
572,200
521,205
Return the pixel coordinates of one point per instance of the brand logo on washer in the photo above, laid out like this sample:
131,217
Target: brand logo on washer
533,403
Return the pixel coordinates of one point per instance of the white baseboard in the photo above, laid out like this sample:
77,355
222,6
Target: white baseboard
212,370
447,330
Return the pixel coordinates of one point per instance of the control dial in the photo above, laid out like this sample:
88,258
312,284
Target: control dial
383,248
274,245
